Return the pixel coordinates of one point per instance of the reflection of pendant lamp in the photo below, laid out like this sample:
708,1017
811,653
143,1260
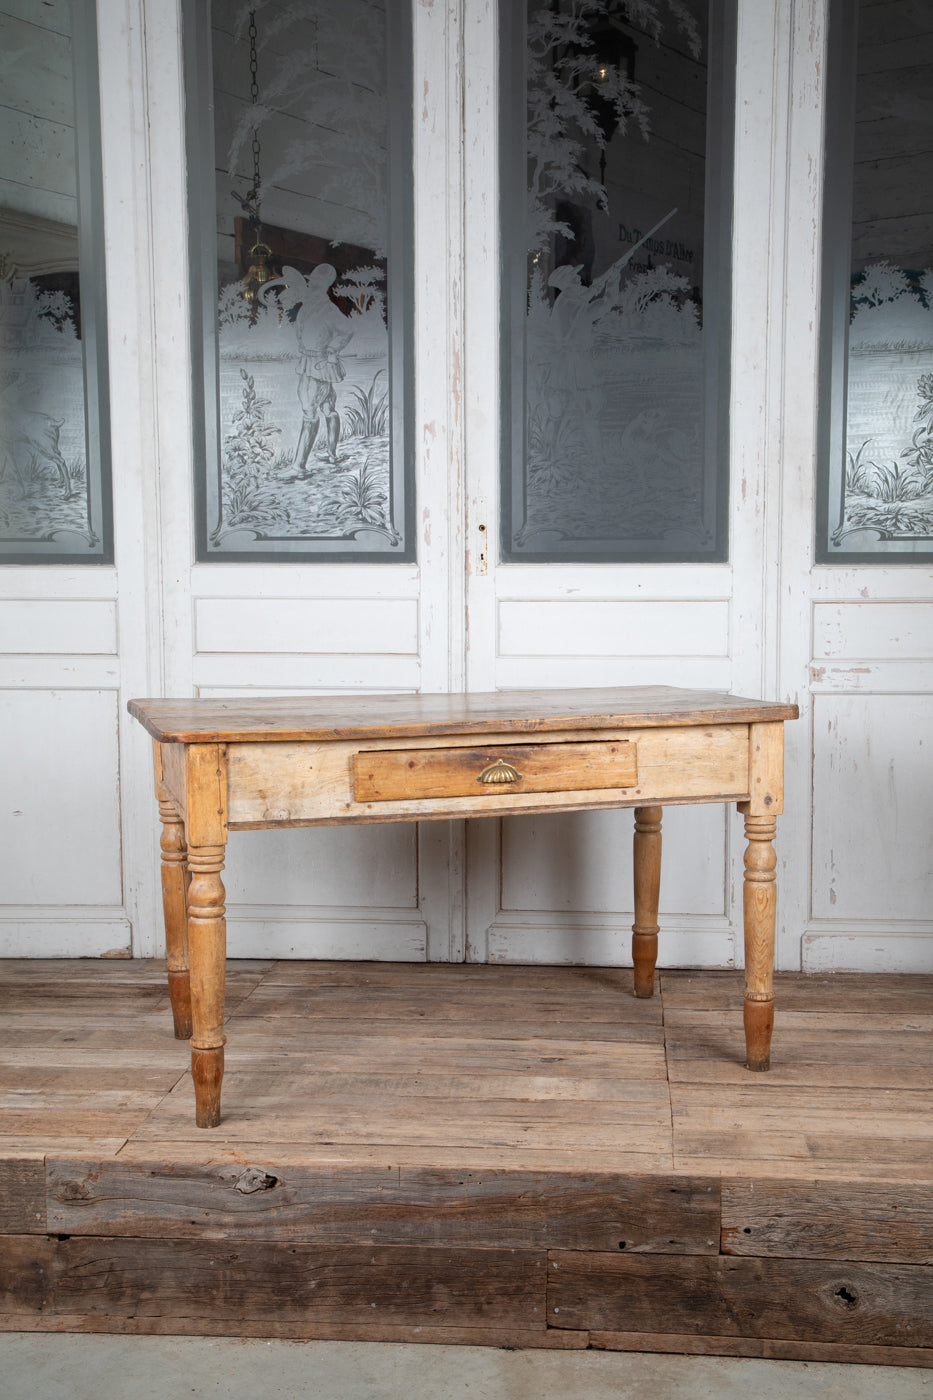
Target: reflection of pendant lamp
257,275
259,271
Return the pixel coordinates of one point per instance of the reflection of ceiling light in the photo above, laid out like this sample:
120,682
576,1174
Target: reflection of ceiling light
258,274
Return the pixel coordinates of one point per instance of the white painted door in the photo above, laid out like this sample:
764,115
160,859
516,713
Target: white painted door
849,645
76,862
282,628
559,888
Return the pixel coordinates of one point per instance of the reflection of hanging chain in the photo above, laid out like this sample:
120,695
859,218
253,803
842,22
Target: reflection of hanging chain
259,272
254,94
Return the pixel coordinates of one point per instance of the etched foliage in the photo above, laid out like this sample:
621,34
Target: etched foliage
613,396
887,492
43,459
305,443
54,463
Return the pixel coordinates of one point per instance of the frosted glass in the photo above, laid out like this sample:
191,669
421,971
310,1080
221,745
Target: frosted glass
304,359
616,286
54,472
876,448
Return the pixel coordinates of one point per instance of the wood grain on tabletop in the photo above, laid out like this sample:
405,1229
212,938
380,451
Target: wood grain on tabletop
519,711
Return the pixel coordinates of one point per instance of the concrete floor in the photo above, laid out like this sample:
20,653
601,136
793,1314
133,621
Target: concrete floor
47,1366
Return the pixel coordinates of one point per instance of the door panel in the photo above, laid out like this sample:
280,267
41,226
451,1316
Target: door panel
332,892
558,889
558,863
60,814
873,774
65,851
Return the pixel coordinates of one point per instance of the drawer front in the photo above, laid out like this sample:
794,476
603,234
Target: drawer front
390,775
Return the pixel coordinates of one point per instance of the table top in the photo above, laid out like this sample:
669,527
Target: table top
329,717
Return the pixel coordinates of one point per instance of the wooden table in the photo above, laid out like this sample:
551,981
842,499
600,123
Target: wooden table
245,765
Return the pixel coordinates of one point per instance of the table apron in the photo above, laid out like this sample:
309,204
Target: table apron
312,783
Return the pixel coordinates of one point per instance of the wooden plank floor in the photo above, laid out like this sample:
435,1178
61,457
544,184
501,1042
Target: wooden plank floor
499,1155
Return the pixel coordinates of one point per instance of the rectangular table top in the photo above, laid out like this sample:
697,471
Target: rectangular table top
326,717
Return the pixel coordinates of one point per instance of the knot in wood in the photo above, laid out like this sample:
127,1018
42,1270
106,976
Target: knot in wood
254,1179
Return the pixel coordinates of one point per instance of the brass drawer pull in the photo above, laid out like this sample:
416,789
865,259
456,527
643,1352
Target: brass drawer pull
499,772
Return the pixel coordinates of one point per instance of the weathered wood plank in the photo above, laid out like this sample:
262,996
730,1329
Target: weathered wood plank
767,1348
386,1205
302,1329
86,995
341,1050
26,1286
873,1221
300,1283
808,1131
73,1102
824,1022
543,1009
438,1082
808,1300
65,974
854,1055
47,1122
23,1084
789,1104
124,999
208,1150
424,1026
472,978
849,1160
92,1048
258,1110
35,1146
22,1195
808,1154
900,993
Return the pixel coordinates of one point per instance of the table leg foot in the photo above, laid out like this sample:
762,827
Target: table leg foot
207,1071
759,1023
647,854
179,991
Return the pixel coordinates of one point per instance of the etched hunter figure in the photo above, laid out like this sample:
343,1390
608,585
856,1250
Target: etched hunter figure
322,335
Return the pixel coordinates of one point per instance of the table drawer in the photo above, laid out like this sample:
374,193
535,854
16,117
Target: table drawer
389,775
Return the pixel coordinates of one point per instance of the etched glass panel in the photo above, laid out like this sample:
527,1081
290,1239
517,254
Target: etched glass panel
616,180
875,501
299,201
54,466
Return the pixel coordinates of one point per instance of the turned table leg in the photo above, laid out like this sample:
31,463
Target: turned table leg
647,853
175,908
760,909
206,810
207,938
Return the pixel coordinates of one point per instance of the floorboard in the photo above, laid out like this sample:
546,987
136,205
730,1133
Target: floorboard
523,1156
